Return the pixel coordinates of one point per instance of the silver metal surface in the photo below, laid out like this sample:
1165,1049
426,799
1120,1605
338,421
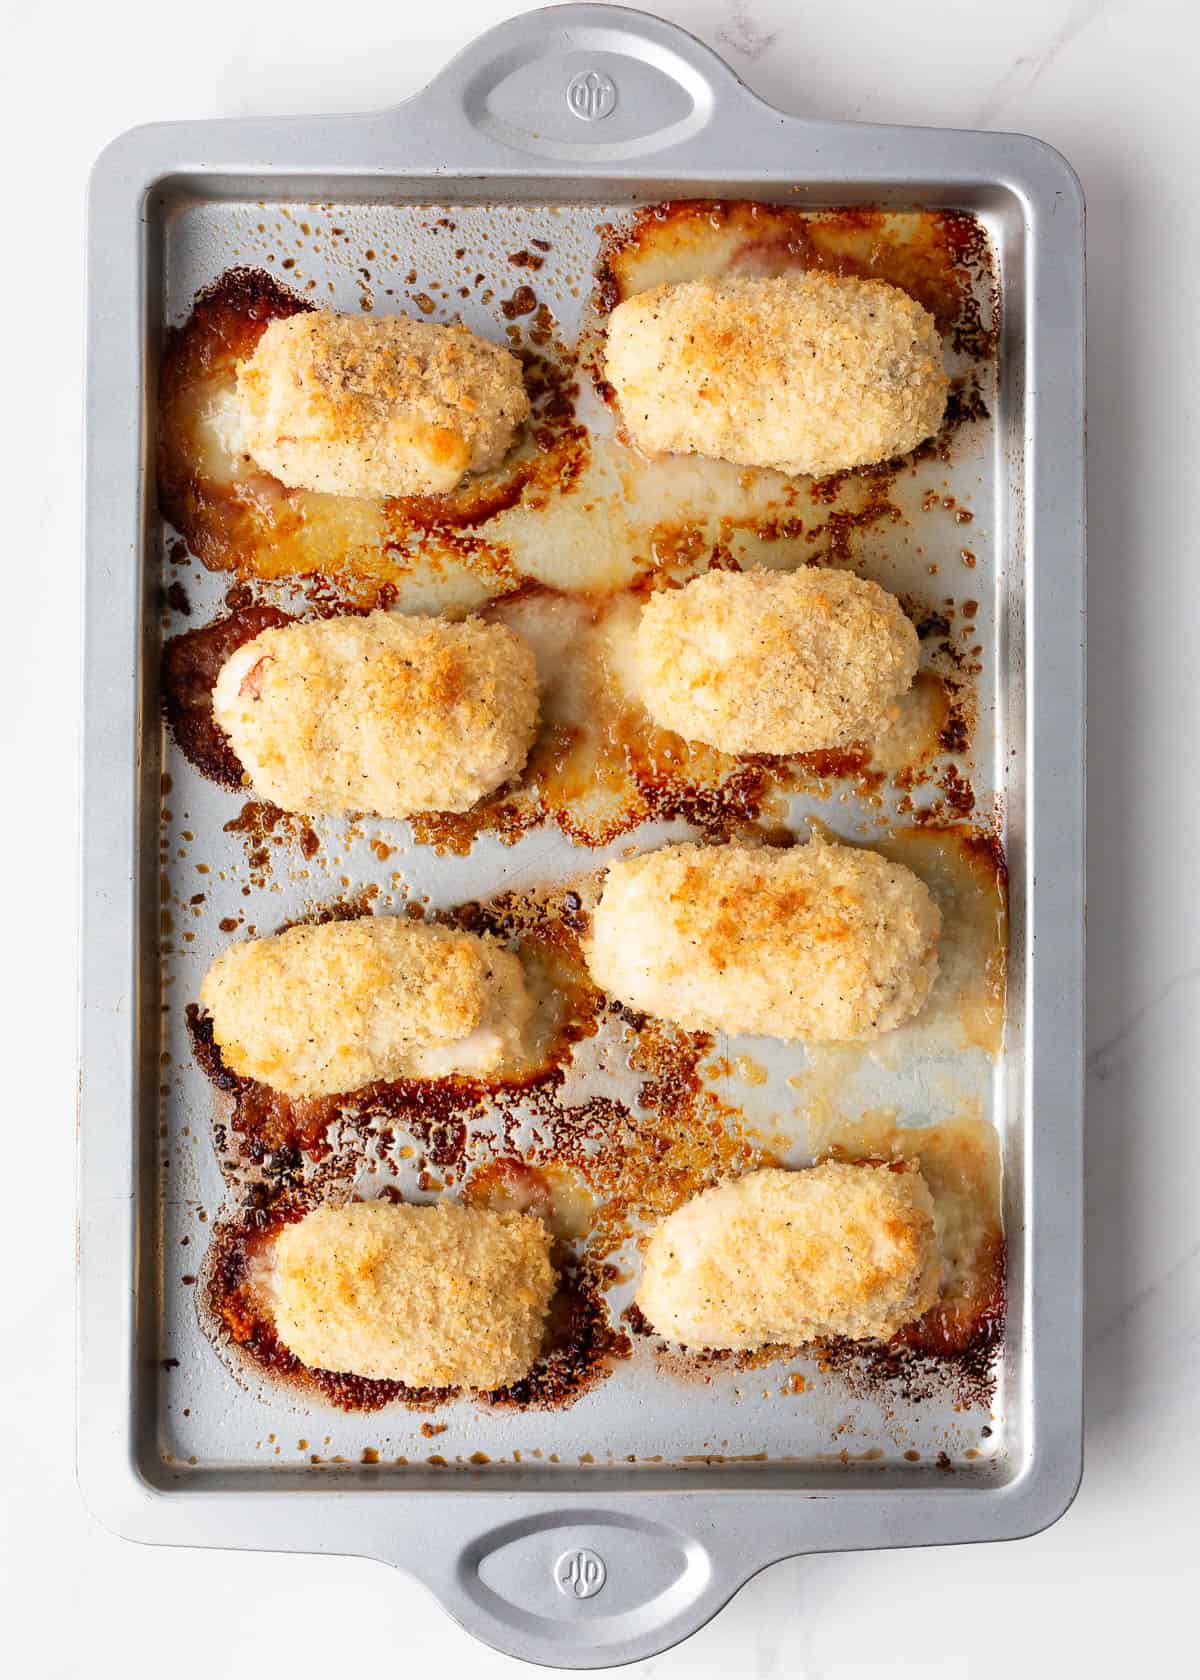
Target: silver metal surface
589,108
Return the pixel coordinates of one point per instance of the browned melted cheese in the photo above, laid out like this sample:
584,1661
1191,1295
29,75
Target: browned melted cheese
931,255
235,1297
237,518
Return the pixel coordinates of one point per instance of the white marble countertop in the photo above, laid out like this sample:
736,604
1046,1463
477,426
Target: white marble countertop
1113,85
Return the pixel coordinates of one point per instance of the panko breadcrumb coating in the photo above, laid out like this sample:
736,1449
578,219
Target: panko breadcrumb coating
775,662
319,1010
789,1257
440,1296
388,714
377,405
807,373
820,942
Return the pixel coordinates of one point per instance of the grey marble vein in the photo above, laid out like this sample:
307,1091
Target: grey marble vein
1029,67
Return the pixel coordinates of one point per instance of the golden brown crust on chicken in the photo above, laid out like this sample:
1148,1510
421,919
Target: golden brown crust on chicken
441,1295
389,714
790,1257
319,1010
377,406
775,662
820,942
807,373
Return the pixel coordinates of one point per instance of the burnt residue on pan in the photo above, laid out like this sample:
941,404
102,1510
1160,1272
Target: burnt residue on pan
916,1365
952,1352
263,1124
582,1345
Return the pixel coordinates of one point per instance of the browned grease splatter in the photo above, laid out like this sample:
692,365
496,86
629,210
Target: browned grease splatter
263,828
683,1137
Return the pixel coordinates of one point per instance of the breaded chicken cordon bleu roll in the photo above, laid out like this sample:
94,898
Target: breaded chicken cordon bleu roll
819,942
806,373
775,662
388,714
441,1296
841,1249
318,1010
377,405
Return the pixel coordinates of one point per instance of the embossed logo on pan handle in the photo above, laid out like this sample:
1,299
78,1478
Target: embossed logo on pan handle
580,1573
587,82
587,1586
592,95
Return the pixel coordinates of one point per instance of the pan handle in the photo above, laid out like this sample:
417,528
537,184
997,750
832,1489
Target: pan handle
584,85
587,1587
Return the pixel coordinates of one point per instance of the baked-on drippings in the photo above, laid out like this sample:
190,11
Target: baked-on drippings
580,539
331,1008
385,406
775,662
388,714
806,373
788,1257
431,1296
817,942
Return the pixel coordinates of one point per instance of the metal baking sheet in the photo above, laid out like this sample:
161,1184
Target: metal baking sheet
547,128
